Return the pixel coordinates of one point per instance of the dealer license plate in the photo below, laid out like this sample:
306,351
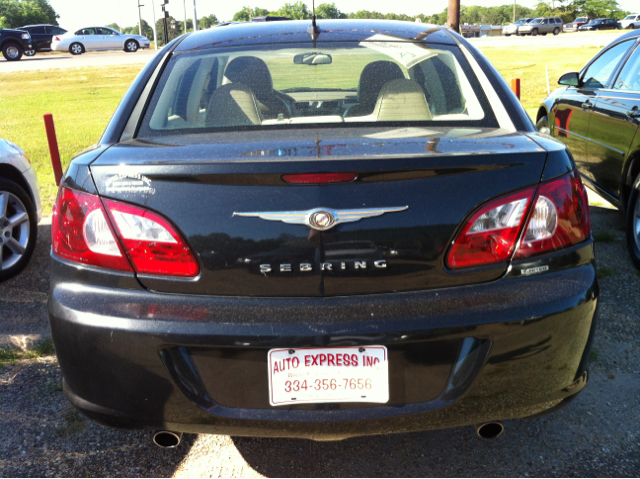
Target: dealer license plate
319,375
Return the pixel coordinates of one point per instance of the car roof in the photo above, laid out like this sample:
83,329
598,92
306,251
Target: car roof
252,33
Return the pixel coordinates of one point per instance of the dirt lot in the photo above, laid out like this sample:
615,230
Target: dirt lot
597,435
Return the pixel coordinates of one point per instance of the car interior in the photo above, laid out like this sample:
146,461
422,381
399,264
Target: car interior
361,84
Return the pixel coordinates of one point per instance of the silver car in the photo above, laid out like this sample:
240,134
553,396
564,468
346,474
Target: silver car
512,28
542,26
20,209
98,38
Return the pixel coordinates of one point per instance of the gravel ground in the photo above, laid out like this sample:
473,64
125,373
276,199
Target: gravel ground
598,435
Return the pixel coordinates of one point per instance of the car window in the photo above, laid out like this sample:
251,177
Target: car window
597,75
86,31
629,78
581,19
36,30
263,86
57,30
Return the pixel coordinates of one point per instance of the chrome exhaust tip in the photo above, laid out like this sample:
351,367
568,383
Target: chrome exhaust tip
490,430
167,439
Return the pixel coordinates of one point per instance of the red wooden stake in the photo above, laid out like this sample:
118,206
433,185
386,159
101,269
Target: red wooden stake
53,147
515,86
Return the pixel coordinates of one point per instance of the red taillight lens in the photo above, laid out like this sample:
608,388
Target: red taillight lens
153,245
560,217
80,232
57,39
319,178
490,234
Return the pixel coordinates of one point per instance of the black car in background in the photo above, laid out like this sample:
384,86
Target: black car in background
321,231
41,36
596,113
14,43
601,24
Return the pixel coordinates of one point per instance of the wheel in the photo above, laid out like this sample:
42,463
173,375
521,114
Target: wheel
507,34
30,53
131,46
543,125
633,223
543,34
18,229
76,49
534,32
556,31
618,27
12,52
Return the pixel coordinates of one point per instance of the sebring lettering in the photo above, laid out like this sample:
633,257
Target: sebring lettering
306,267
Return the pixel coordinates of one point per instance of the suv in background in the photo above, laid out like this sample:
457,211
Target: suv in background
13,43
631,21
512,28
577,23
542,26
41,36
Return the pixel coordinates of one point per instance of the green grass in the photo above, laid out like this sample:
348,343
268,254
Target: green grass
605,272
83,99
11,355
605,237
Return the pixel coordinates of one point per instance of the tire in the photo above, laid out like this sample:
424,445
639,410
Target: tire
543,34
534,32
18,229
507,34
76,49
131,46
556,31
12,52
542,124
633,223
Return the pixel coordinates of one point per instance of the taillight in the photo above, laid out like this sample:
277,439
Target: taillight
152,244
80,232
57,39
319,178
83,231
490,234
560,217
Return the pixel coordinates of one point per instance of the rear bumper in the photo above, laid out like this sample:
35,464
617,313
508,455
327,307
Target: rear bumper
135,359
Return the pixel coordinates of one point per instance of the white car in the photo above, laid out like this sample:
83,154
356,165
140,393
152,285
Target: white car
20,209
631,21
98,38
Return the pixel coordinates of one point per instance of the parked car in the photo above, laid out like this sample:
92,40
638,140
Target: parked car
541,26
631,21
596,113
601,24
512,28
13,43
98,38
201,274
577,23
41,36
20,209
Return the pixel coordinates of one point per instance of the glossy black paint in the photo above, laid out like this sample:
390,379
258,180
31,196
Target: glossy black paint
42,35
600,128
226,174
466,346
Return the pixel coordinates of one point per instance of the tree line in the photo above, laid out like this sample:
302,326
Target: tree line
15,13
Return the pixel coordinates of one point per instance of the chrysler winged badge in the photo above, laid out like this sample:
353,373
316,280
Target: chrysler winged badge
321,219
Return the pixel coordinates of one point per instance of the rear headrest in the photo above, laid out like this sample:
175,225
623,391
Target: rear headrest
402,100
252,71
232,105
373,77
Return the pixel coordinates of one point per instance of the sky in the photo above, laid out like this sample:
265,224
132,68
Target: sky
75,14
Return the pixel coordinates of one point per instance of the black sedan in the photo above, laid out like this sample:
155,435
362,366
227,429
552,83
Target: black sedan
41,36
601,24
321,231
596,113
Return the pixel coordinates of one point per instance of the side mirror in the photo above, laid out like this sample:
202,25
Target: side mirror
570,79
312,59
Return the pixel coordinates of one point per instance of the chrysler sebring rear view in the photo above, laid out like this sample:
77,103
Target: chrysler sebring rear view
321,231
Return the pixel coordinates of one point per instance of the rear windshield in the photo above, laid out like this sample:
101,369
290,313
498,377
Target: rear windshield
289,85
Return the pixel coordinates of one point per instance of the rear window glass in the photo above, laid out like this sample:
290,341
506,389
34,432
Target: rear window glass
288,85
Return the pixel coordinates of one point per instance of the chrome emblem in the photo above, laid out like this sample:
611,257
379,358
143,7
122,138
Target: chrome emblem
321,219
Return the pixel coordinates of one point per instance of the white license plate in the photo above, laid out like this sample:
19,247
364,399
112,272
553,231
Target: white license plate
319,375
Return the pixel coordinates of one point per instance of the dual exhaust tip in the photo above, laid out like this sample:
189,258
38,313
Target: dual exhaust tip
167,439
490,430
171,439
